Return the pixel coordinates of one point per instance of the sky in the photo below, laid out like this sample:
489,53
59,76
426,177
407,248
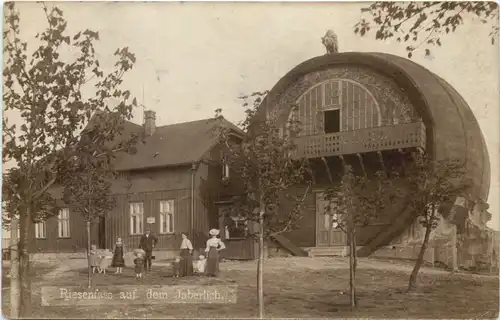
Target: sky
205,55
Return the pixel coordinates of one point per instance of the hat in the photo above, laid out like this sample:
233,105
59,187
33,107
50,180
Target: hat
213,232
137,251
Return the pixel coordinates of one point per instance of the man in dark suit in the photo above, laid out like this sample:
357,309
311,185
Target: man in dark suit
148,242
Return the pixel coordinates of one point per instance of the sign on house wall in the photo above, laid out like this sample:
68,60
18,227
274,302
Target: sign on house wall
150,220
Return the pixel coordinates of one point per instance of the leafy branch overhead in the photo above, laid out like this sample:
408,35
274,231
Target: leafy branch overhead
263,163
423,24
47,92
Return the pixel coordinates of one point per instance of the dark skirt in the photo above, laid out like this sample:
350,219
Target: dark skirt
186,265
94,260
118,260
212,262
139,265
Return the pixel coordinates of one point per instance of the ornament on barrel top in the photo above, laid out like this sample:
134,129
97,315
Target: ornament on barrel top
330,42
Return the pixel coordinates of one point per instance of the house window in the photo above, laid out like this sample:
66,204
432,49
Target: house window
167,216
41,230
236,227
136,218
63,223
332,121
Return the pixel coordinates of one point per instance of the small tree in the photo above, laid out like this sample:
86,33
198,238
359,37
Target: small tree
265,165
424,23
433,185
87,186
354,204
46,91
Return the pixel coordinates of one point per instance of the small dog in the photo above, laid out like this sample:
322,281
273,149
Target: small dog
177,267
104,264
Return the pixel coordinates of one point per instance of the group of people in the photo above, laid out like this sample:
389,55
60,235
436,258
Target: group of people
207,264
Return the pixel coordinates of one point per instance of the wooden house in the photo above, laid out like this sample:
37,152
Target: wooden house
170,185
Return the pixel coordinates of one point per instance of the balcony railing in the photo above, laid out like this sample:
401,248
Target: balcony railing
392,137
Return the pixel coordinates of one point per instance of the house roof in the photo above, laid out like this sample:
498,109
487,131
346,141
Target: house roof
175,144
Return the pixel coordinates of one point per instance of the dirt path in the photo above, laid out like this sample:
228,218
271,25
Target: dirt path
327,263
279,264
65,266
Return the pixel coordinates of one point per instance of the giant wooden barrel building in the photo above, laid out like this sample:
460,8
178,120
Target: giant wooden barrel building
365,109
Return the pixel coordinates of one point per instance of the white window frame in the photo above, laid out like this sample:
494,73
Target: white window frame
63,226
167,216
41,230
136,211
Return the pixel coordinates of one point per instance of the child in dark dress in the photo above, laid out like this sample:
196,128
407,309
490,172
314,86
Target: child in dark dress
118,260
139,265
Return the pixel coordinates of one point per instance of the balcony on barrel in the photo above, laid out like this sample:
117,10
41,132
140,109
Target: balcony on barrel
343,123
361,141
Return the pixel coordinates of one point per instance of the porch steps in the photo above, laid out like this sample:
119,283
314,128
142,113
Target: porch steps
288,245
339,251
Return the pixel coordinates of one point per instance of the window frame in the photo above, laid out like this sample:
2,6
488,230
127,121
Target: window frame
165,214
133,214
61,221
340,119
38,225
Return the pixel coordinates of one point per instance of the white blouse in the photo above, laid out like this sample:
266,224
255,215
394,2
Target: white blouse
214,242
186,244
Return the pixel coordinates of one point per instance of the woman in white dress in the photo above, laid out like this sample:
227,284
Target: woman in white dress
214,245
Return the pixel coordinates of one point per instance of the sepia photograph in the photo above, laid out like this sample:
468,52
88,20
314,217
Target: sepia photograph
250,160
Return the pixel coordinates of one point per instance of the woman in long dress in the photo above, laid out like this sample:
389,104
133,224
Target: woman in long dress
186,263
214,245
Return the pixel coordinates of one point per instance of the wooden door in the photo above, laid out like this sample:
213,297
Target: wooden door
326,234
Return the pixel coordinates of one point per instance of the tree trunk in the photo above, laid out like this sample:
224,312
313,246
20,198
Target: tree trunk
15,283
260,267
24,263
88,255
420,259
352,268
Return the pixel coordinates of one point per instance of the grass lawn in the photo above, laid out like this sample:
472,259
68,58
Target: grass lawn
296,293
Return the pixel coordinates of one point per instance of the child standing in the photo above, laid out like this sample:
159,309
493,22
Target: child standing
177,267
201,264
118,260
139,265
94,258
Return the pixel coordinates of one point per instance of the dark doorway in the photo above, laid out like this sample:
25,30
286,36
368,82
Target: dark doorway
102,233
332,121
